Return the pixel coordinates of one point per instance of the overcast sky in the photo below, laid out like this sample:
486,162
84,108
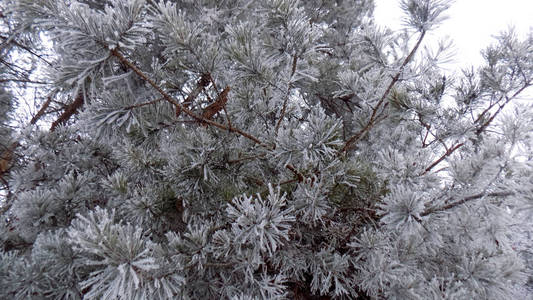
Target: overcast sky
471,23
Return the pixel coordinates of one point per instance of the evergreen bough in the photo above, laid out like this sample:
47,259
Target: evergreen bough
276,149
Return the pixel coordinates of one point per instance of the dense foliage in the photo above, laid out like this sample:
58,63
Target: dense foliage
247,149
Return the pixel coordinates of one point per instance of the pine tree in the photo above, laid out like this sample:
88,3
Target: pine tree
275,149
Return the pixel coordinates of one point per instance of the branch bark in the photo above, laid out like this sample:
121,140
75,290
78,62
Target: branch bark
374,117
187,111
200,85
507,100
70,110
463,201
173,101
446,154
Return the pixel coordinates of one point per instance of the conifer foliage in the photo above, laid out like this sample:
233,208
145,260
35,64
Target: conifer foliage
279,149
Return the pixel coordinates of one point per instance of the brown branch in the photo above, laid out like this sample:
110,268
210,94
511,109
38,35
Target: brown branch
14,42
463,201
195,116
22,80
171,100
6,157
143,104
218,96
372,121
220,102
446,154
289,87
289,181
200,85
425,138
507,100
70,110
41,111
298,174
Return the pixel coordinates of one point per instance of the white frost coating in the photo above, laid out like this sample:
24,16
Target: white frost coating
315,157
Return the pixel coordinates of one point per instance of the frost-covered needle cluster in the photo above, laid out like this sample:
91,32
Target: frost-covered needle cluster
250,149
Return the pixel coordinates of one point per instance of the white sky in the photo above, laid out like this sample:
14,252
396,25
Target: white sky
471,23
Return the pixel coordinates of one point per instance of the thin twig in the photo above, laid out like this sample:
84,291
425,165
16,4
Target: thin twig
234,161
289,181
463,201
298,174
143,104
70,110
41,111
22,80
372,121
289,87
14,42
446,154
507,100
200,85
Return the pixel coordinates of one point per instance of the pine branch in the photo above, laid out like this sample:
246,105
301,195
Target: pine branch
200,85
463,201
500,108
41,111
446,154
197,117
143,104
289,87
373,118
216,106
171,100
70,110
8,40
478,131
